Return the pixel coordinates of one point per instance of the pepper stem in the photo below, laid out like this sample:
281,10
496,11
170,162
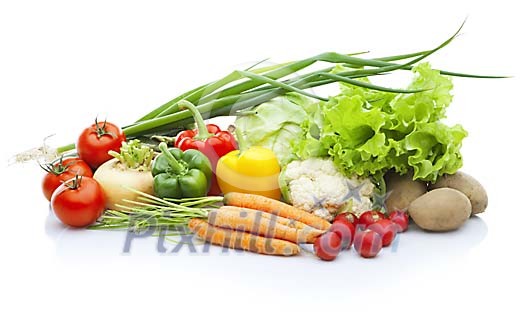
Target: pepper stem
202,131
241,141
177,167
161,138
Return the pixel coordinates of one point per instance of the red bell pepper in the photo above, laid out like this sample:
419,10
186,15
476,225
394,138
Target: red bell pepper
208,139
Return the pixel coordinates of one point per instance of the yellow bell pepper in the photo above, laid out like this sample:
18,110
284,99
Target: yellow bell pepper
254,170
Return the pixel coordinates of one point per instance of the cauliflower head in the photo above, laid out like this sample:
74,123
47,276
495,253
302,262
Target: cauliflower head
316,186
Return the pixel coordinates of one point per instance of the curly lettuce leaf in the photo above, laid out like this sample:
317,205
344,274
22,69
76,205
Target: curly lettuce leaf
435,149
370,132
366,132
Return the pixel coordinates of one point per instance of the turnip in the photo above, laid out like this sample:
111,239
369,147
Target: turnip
130,169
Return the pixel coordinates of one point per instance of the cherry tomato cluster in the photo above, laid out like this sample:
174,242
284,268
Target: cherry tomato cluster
368,233
76,198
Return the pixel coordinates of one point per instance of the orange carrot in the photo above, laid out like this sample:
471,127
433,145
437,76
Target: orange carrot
281,220
253,222
262,203
241,240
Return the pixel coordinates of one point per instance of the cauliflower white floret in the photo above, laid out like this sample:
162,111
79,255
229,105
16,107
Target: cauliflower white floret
315,185
366,204
366,191
303,193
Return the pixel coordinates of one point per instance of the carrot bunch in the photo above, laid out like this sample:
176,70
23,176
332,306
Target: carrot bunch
258,224
242,221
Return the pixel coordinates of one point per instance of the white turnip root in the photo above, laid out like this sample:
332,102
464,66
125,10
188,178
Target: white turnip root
129,169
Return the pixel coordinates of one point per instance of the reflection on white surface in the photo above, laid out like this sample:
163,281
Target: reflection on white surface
415,243
414,253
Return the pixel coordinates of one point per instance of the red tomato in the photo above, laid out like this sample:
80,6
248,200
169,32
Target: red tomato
78,202
327,246
61,171
386,229
345,230
399,218
95,141
369,217
349,216
367,243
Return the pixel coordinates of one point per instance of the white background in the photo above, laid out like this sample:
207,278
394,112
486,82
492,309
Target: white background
64,62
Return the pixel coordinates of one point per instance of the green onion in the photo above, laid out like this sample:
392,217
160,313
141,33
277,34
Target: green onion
243,89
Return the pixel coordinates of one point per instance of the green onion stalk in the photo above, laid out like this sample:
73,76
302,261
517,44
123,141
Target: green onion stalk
244,89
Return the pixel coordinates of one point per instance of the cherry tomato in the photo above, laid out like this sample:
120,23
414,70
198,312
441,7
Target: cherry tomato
399,218
95,141
345,230
367,243
327,246
62,171
386,229
369,217
78,202
351,217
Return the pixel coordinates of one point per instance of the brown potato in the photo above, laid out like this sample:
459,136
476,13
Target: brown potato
440,210
402,190
468,186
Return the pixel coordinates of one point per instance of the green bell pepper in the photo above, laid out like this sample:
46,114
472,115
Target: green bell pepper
178,174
